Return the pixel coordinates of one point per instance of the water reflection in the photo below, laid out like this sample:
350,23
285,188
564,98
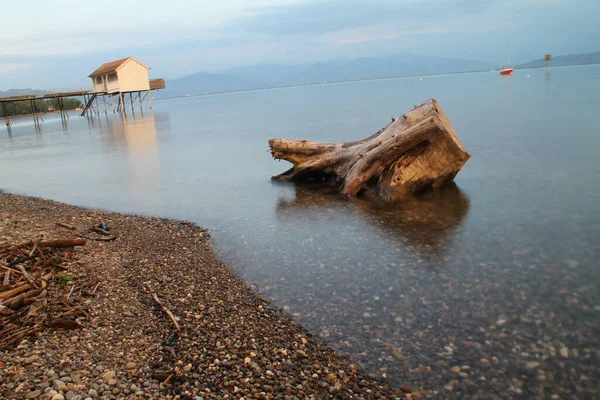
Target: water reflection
142,147
428,221
135,137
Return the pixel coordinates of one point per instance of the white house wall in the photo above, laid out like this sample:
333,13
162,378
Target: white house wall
98,87
133,77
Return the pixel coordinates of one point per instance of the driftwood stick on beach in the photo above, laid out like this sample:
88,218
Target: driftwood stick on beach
67,226
61,243
416,151
166,310
27,276
100,231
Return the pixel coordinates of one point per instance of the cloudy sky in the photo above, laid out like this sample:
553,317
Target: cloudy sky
56,44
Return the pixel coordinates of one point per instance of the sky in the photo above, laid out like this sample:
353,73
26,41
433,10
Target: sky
56,44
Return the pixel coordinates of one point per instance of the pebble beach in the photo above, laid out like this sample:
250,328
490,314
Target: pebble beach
221,341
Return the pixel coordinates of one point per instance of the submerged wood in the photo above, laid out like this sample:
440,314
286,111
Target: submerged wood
416,151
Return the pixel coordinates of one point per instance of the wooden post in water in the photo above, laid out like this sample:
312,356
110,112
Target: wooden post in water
122,101
97,106
5,114
36,121
104,101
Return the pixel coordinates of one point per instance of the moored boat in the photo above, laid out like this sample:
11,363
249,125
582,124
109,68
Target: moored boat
508,70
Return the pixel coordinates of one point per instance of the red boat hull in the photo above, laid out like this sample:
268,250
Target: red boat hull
507,71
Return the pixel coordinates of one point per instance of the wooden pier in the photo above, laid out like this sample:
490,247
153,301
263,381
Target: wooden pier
117,85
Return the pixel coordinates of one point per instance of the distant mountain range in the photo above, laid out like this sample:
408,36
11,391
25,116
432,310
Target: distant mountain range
22,92
571,59
265,76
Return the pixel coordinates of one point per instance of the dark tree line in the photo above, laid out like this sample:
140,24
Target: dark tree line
41,106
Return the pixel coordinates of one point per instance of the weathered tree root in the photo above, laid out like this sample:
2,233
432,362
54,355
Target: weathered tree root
416,151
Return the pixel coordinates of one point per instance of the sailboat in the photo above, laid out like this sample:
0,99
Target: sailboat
508,70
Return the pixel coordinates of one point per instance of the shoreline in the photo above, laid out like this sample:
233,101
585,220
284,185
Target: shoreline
231,340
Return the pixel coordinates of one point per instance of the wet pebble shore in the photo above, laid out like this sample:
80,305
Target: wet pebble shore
232,343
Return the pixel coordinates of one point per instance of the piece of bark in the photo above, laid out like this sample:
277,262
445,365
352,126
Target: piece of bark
417,151
65,323
18,301
162,374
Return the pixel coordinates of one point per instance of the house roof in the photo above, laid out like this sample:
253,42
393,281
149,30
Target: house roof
113,66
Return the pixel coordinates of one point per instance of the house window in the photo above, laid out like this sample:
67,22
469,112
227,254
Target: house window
99,80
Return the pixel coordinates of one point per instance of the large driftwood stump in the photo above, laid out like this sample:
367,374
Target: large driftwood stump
416,151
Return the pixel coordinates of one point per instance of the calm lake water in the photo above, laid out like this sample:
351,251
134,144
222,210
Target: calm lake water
488,288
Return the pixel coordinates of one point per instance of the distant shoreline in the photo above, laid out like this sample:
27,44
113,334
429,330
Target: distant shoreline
31,115
362,80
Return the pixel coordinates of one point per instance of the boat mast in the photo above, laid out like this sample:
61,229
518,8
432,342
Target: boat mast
507,53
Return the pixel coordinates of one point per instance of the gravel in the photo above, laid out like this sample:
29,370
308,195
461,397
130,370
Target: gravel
232,342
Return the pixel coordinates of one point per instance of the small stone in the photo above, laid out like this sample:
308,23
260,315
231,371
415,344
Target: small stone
71,395
33,395
564,352
500,322
532,365
131,365
108,376
455,369
31,359
92,393
58,396
59,385
112,382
